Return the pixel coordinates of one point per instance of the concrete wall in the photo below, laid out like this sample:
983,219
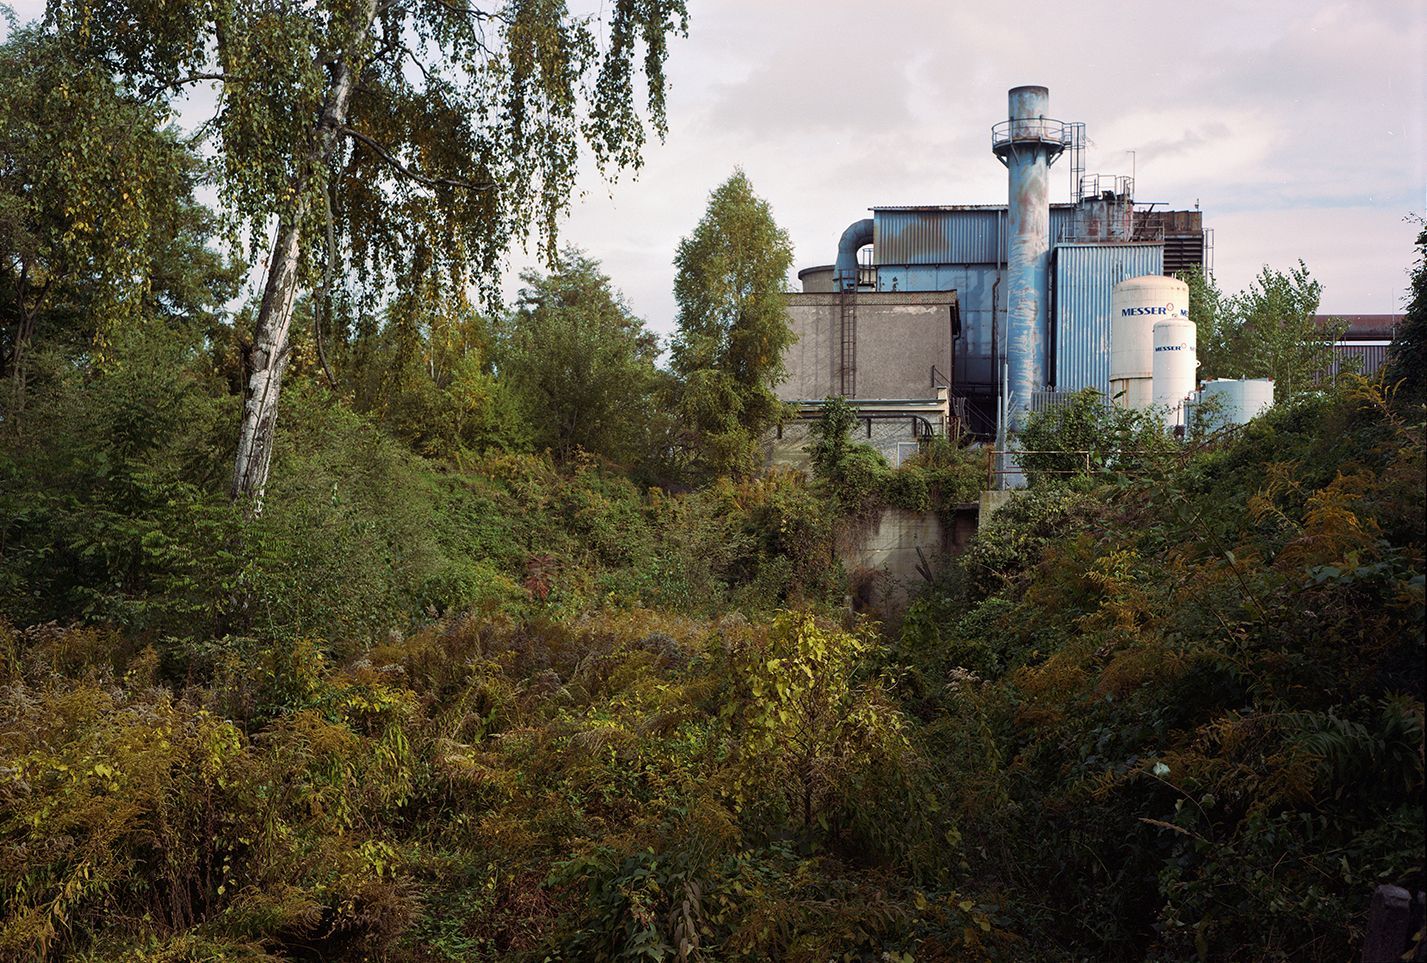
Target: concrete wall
787,447
899,337
881,557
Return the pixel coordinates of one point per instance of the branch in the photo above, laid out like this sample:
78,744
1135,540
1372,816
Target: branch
324,306
178,82
411,173
473,13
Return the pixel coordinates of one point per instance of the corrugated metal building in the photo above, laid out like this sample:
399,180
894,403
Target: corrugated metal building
962,248
1084,275
1052,292
1366,340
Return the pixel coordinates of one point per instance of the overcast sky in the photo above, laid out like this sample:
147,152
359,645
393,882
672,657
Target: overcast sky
1297,125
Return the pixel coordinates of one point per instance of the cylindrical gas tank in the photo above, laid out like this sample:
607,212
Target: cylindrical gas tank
1240,400
1135,306
1175,366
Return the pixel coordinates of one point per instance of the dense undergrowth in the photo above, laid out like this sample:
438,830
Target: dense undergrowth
491,708
1182,713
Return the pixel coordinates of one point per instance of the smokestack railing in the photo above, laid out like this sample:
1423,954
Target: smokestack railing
1032,130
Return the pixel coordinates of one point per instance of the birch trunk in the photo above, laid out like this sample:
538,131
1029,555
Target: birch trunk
270,335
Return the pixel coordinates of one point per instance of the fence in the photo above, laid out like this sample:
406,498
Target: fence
1007,462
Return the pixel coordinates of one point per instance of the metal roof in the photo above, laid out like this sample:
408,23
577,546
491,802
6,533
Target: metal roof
1362,326
950,207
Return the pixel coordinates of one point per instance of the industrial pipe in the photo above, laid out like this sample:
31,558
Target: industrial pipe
857,235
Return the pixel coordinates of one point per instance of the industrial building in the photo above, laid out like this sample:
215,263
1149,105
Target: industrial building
1365,342
967,316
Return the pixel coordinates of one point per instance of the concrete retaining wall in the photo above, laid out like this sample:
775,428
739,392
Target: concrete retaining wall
881,557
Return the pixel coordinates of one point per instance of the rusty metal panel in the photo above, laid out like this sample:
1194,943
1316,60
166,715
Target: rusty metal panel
1084,277
936,236
949,235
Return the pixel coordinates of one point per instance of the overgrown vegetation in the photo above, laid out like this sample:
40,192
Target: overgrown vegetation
523,660
506,711
1182,710
857,479
1087,434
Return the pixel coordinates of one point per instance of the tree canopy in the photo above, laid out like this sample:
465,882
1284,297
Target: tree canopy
731,273
388,140
1268,330
580,363
98,226
1407,358
1280,337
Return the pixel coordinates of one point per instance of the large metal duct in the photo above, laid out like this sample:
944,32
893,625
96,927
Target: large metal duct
857,235
1027,143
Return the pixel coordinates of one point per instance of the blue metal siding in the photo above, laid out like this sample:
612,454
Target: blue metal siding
1085,276
948,236
937,237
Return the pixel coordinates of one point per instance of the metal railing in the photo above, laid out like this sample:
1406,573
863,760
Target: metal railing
996,459
1023,130
1098,185
1046,399
1007,461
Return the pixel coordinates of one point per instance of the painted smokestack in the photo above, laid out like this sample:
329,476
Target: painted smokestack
1028,143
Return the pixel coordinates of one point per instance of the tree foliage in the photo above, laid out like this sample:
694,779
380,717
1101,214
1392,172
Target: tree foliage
426,373
386,140
98,226
581,364
1407,358
1269,330
855,476
732,326
1280,337
463,131
1087,436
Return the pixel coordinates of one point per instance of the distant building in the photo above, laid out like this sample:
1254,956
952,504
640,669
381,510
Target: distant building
1367,338
996,309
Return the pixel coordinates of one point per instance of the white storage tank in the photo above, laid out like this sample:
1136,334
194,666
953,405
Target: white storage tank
1240,400
1176,366
1135,306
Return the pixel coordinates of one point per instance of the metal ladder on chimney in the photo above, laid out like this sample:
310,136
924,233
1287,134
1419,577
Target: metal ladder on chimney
847,299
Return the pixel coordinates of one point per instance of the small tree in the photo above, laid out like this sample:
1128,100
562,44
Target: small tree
829,435
1266,331
1278,337
580,363
1216,325
732,327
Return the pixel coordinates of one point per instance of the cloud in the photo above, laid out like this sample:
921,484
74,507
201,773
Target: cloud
1297,124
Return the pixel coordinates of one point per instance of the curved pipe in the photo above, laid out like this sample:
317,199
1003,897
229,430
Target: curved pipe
857,235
